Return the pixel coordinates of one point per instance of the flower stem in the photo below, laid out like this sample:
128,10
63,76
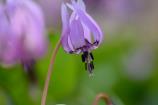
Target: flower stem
104,97
50,70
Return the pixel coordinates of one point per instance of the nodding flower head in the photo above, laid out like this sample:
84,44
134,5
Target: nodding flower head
80,34
22,31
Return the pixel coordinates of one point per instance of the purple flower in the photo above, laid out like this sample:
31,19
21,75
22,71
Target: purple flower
80,34
7,40
22,32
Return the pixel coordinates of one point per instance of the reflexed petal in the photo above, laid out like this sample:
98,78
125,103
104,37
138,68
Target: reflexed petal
70,6
87,33
70,44
65,30
77,34
81,4
72,17
66,43
65,17
89,22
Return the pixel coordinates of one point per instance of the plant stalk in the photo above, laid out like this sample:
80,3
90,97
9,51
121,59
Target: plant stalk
50,70
104,97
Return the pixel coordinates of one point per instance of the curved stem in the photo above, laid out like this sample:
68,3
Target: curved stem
104,97
50,69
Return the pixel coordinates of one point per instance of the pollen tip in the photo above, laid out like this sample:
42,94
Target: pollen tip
91,75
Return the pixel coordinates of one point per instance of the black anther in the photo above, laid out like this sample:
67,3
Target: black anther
92,56
83,58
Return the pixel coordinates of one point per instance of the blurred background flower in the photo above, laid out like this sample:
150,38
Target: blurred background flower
126,63
22,31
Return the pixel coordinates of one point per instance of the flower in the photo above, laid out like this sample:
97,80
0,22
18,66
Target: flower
22,32
80,34
7,40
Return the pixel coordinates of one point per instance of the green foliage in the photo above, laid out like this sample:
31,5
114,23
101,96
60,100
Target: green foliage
70,83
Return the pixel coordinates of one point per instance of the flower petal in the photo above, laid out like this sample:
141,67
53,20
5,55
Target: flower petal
65,17
66,43
89,22
28,25
77,34
65,31
81,4
72,17
8,49
87,33
36,12
70,6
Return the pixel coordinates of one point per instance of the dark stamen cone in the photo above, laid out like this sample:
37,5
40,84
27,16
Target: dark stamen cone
88,59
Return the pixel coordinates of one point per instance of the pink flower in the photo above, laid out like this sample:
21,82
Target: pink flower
22,31
81,34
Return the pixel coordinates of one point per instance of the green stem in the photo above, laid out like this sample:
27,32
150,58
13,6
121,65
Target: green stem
50,70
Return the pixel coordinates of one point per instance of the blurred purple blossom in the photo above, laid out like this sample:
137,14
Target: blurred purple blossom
22,32
80,34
